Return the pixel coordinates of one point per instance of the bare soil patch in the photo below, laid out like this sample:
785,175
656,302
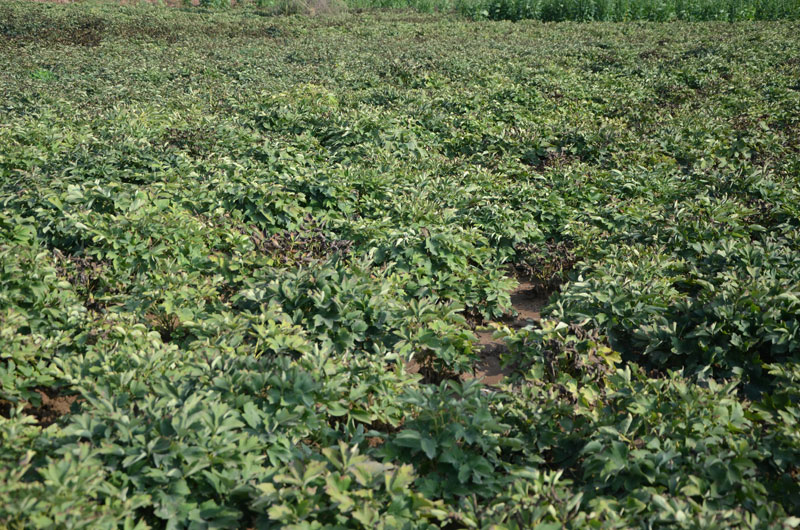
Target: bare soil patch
528,301
53,406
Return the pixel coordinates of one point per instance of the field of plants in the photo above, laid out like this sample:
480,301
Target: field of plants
579,10
250,267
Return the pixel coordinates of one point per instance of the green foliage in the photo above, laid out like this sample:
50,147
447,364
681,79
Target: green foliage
227,238
625,10
575,10
453,439
347,490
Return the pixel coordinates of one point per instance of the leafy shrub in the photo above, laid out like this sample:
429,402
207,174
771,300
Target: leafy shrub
347,490
456,436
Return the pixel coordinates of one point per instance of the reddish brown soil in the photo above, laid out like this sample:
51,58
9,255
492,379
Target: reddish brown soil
374,441
488,369
53,407
528,302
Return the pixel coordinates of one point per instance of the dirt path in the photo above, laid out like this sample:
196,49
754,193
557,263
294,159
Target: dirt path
528,303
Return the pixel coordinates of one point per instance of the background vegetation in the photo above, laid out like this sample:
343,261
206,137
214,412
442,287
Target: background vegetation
558,10
222,236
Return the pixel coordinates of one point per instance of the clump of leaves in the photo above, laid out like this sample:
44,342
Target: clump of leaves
545,266
455,439
433,337
301,248
344,488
